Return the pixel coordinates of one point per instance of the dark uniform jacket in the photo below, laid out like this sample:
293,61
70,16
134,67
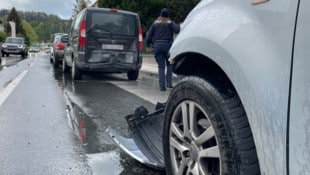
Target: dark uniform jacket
159,32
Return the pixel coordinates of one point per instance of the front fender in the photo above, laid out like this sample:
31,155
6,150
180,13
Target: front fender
253,47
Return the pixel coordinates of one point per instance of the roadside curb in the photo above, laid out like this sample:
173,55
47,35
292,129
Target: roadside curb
150,66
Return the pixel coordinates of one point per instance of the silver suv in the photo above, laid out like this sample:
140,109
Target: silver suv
244,106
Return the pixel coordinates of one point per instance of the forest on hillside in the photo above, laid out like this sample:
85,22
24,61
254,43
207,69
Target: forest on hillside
44,25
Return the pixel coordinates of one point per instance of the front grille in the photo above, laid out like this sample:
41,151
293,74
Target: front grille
12,47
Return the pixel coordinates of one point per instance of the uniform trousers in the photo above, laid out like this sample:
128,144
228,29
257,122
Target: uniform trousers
161,55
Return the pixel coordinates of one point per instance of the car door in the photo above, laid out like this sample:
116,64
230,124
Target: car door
299,130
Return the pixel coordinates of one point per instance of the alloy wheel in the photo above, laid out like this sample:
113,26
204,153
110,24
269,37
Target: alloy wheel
193,142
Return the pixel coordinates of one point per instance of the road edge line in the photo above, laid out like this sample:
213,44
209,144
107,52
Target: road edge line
5,93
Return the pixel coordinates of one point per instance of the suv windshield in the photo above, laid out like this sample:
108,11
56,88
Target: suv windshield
112,24
15,40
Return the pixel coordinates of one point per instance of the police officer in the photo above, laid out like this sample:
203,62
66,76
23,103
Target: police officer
160,34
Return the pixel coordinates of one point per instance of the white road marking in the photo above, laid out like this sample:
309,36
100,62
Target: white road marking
31,64
5,93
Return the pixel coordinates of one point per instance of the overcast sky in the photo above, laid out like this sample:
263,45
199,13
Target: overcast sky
62,8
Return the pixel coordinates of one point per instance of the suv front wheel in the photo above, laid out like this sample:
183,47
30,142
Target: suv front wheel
206,131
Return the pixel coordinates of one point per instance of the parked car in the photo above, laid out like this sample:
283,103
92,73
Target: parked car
15,46
34,49
57,50
244,105
104,40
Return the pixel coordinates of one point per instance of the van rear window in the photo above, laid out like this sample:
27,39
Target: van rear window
112,23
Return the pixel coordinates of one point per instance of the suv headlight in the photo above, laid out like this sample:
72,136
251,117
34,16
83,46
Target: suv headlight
20,46
4,45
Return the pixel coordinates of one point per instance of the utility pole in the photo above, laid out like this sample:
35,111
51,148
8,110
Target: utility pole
13,28
12,23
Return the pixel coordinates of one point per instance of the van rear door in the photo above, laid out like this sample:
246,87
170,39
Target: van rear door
112,37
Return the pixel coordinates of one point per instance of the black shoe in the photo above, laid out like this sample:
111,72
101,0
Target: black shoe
169,86
162,89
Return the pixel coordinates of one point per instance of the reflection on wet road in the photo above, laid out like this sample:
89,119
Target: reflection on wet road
92,105
9,61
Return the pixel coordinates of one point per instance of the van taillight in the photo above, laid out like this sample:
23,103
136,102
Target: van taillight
82,37
140,39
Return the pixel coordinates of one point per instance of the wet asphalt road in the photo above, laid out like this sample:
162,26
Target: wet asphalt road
52,125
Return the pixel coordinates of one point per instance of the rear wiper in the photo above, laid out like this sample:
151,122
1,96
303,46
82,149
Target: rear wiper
102,31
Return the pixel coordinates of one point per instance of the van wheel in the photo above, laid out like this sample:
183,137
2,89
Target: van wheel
133,74
76,72
206,131
65,67
55,63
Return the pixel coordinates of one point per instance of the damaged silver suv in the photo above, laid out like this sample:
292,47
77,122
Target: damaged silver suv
244,105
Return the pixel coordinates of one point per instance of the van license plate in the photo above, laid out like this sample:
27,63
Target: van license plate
112,46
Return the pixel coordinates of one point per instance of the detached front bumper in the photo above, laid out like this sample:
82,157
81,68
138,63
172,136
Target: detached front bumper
145,143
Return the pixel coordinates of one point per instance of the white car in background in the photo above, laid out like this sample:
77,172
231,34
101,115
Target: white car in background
244,106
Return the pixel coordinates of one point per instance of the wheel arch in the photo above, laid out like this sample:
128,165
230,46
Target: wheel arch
197,64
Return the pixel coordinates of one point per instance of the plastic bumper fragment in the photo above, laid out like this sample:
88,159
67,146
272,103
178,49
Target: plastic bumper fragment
145,141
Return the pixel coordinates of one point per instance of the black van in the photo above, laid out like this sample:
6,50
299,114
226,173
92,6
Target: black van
104,40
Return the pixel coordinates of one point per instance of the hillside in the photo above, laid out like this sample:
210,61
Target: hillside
44,25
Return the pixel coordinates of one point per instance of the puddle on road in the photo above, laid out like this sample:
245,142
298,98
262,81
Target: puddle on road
9,61
104,157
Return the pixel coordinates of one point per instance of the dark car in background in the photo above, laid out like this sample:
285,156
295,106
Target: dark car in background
104,40
15,46
57,50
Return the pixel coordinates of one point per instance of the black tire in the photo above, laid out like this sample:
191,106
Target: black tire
56,63
133,75
3,54
23,56
218,111
76,72
7,55
65,67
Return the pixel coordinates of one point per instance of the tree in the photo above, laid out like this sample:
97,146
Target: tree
44,25
2,36
180,8
149,10
79,6
13,16
30,34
